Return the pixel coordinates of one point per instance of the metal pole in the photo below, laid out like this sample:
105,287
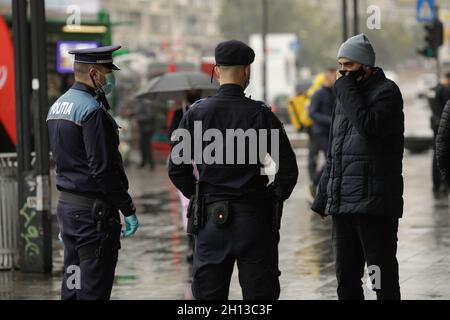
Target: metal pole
40,107
438,66
355,18
39,81
438,63
265,23
344,21
22,83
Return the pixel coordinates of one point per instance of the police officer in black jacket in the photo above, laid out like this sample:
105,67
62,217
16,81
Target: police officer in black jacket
237,201
90,176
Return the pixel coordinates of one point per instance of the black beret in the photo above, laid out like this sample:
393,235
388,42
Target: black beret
100,55
234,53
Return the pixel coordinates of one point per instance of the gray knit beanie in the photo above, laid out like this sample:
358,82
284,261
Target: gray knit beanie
358,49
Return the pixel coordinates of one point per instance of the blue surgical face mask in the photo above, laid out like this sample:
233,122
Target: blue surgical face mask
108,86
110,83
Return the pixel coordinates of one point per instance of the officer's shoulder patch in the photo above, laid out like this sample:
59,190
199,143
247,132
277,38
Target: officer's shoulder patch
73,106
87,105
197,103
264,105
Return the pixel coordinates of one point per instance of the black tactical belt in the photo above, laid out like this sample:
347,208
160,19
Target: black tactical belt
220,212
76,199
237,206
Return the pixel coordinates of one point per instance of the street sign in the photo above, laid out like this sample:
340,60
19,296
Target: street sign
425,11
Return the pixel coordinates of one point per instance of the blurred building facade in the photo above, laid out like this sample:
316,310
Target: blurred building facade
402,10
174,30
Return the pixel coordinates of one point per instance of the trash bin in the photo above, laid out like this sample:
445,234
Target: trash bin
9,213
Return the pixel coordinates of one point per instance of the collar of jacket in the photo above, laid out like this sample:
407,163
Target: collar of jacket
100,98
231,89
377,75
84,87
329,89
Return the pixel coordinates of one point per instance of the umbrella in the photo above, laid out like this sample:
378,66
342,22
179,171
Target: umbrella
173,86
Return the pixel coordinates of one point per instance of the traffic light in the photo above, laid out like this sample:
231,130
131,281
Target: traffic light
434,38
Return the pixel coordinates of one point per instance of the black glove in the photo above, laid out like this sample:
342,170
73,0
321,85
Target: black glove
276,192
276,196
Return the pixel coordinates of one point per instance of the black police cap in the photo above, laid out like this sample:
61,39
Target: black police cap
234,53
100,55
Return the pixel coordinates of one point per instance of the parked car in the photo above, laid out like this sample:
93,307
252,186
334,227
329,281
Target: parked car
280,108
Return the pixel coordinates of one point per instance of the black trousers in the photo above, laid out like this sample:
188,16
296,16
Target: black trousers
250,239
357,239
96,274
317,143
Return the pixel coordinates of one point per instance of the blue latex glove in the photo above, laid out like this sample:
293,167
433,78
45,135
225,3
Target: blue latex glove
60,239
131,225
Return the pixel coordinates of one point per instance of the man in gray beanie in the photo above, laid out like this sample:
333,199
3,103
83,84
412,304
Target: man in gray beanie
358,49
362,184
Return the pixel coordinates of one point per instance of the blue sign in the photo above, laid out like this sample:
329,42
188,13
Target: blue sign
295,45
64,60
422,6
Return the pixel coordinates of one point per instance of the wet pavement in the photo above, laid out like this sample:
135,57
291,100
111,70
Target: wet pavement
152,264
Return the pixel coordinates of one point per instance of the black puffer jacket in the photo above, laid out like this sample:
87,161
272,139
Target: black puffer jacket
443,144
363,174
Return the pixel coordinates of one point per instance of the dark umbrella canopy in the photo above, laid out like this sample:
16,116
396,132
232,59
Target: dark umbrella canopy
173,86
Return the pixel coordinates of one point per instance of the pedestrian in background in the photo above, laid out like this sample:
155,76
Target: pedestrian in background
320,111
442,146
298,109
441,98
192,96
145,114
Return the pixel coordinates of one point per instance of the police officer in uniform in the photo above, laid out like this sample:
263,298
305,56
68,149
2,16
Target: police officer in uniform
90,177
237,199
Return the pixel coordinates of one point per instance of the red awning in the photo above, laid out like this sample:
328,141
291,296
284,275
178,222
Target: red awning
7,99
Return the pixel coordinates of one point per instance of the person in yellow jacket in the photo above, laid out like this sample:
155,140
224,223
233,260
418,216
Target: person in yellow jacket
298,112
303,121
299,104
